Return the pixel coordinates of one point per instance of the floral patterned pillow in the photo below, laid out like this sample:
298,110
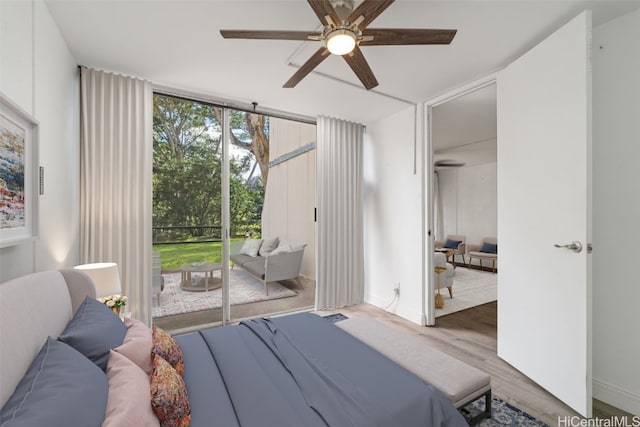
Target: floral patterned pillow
169,398
167,348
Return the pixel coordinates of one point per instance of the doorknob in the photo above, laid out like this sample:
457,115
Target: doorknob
574,246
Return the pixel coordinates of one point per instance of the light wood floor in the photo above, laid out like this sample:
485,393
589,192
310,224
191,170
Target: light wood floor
471,336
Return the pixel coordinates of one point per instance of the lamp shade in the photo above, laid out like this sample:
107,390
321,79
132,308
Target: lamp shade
341,42
105,277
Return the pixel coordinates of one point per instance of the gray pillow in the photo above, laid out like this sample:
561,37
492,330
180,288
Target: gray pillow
60,388
251,247
268,245
94,330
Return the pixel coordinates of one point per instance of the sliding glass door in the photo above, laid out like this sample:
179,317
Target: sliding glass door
187,212
221,176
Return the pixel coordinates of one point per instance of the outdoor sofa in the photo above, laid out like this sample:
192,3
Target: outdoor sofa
269,260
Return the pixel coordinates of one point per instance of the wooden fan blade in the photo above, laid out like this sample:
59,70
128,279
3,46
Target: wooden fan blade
369,9
406,36
360,66
307,67
267,35
322,8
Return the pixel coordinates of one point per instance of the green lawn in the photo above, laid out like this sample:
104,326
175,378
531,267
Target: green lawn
175,255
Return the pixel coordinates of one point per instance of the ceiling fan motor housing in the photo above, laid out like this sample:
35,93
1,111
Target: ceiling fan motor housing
343,8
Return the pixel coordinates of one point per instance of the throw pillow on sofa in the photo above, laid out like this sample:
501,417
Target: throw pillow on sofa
251,247
452,244
268,246
489,248
282,249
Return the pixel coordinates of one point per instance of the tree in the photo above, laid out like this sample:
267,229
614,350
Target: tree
186,164
251,132
187,168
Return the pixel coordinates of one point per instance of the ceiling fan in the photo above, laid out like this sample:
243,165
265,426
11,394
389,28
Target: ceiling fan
448,163
345,29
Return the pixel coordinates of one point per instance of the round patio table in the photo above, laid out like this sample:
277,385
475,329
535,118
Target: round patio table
202,283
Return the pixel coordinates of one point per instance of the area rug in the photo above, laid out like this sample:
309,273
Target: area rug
244,289
470,288
503,414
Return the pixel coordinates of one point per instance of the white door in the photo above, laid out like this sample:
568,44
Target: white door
544,197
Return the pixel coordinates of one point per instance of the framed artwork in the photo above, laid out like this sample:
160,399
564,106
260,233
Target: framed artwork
18,174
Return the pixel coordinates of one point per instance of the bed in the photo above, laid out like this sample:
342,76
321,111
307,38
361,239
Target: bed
296,370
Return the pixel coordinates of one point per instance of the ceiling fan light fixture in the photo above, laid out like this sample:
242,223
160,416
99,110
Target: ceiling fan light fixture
341,42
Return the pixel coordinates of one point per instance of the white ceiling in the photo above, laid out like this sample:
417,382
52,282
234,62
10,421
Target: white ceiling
465,128
176,43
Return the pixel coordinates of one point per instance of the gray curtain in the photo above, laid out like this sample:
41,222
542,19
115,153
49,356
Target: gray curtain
340,275
116,148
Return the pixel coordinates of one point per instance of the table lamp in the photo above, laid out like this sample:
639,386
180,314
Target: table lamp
105,277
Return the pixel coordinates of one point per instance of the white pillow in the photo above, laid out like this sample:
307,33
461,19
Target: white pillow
268,245
282,249
251,247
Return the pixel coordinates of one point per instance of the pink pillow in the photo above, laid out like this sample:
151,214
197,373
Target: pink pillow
129,402
137,344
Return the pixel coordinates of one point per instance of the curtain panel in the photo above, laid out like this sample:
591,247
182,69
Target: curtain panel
116,149
437,208
340,275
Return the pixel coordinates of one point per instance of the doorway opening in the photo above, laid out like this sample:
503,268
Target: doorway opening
464,199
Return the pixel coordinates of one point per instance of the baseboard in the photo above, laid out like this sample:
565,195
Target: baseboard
382,303
617,397
379,301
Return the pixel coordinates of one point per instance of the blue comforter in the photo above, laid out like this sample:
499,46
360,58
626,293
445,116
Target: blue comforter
301,370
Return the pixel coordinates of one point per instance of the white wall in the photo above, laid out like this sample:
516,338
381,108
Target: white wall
393,215
470,202
38,73
616,209
291,190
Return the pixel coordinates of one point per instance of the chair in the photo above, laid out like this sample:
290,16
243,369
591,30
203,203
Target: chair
487,250
446,277
454,242
157,280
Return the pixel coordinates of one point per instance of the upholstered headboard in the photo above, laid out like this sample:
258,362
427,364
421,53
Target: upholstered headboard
32,308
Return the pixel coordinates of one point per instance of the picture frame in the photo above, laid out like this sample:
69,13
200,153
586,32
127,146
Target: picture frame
19,174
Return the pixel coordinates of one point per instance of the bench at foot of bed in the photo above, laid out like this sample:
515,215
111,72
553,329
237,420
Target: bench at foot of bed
459,382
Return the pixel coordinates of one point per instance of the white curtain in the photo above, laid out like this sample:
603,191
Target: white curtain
115,190
438,222
340,276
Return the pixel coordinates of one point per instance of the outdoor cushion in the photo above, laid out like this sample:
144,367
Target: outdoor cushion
268,245
452,244
94,330
251,247
256,268
242,259
282,249
489,248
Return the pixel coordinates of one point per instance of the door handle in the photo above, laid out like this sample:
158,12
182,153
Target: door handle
574,246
